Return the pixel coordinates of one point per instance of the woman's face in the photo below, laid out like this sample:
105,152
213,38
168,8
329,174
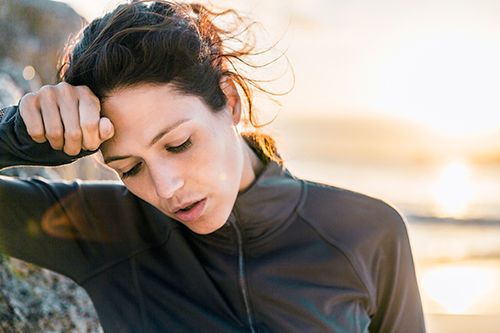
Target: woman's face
174,152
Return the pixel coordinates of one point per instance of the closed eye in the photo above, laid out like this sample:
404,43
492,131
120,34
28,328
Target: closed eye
180,148
173,149
132,172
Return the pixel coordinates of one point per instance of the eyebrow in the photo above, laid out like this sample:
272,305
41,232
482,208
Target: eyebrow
157,138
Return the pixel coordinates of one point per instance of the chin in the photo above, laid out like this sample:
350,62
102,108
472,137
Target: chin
204,229
200,227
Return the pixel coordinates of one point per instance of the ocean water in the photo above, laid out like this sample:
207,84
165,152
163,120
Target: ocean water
458,268
427,191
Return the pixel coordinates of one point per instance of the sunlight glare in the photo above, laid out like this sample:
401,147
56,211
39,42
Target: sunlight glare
453,190
457,288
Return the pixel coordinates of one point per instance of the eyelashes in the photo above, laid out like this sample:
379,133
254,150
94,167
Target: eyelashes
132,172
180,148
172,149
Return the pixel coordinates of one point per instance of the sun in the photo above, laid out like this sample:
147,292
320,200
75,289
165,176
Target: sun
453,189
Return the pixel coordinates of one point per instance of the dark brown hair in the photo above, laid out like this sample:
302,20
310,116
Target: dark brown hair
164,42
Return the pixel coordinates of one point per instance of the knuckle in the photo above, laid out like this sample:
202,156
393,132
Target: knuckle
92,142
92,146
84,90
73,135
95,101
90,126
43,89
54,135
35,133
65,89
63,85
27,102
72,151
46,90
55,145
29,98
88,94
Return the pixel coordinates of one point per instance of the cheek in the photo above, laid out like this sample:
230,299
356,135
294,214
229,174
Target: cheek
141,188
220,158
228,160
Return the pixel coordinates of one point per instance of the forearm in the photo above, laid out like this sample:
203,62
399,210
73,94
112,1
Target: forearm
17,147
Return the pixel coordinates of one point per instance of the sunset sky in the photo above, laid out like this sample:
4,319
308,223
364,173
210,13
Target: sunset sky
434,62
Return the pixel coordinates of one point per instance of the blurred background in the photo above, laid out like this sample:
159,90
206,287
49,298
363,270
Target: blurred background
396,99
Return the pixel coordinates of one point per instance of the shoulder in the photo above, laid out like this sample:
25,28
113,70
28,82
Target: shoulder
342,212
363,227
370,232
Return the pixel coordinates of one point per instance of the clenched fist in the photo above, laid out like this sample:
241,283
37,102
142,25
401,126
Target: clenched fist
67,116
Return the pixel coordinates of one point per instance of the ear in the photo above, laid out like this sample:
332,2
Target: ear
233,98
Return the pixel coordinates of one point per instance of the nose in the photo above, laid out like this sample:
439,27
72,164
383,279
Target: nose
166,181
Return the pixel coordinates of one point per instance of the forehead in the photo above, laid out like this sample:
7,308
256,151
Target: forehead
140,98
139,113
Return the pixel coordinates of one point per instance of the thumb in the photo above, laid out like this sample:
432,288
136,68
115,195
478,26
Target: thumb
106,129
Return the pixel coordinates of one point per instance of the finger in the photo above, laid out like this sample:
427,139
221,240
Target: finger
72,131
89,111
106,129
54,131
29,110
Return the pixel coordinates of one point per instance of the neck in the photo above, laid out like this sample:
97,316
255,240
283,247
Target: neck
252,166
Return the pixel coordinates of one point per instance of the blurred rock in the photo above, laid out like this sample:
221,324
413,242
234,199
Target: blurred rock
10,93
34,32
14,71
33,299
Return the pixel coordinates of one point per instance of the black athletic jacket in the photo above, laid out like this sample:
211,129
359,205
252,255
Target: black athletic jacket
294,256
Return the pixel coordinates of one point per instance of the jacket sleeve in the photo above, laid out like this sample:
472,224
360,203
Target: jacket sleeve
45,222
17,147
397,300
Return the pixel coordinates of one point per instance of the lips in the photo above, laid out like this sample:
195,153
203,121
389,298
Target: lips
185,206
188,207
190,211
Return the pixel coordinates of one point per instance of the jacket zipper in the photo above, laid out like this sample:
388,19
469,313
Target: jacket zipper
241,273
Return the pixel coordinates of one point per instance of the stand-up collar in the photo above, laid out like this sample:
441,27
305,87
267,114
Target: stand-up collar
268,202
264,207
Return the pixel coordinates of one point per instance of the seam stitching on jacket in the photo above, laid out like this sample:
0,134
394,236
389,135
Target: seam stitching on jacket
346,254
337,244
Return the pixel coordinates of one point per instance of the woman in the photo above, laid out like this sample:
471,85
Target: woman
209,232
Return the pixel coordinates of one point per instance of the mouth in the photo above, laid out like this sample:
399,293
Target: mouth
191,212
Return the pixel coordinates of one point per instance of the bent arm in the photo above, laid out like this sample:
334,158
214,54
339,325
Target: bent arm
25,205
40,222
